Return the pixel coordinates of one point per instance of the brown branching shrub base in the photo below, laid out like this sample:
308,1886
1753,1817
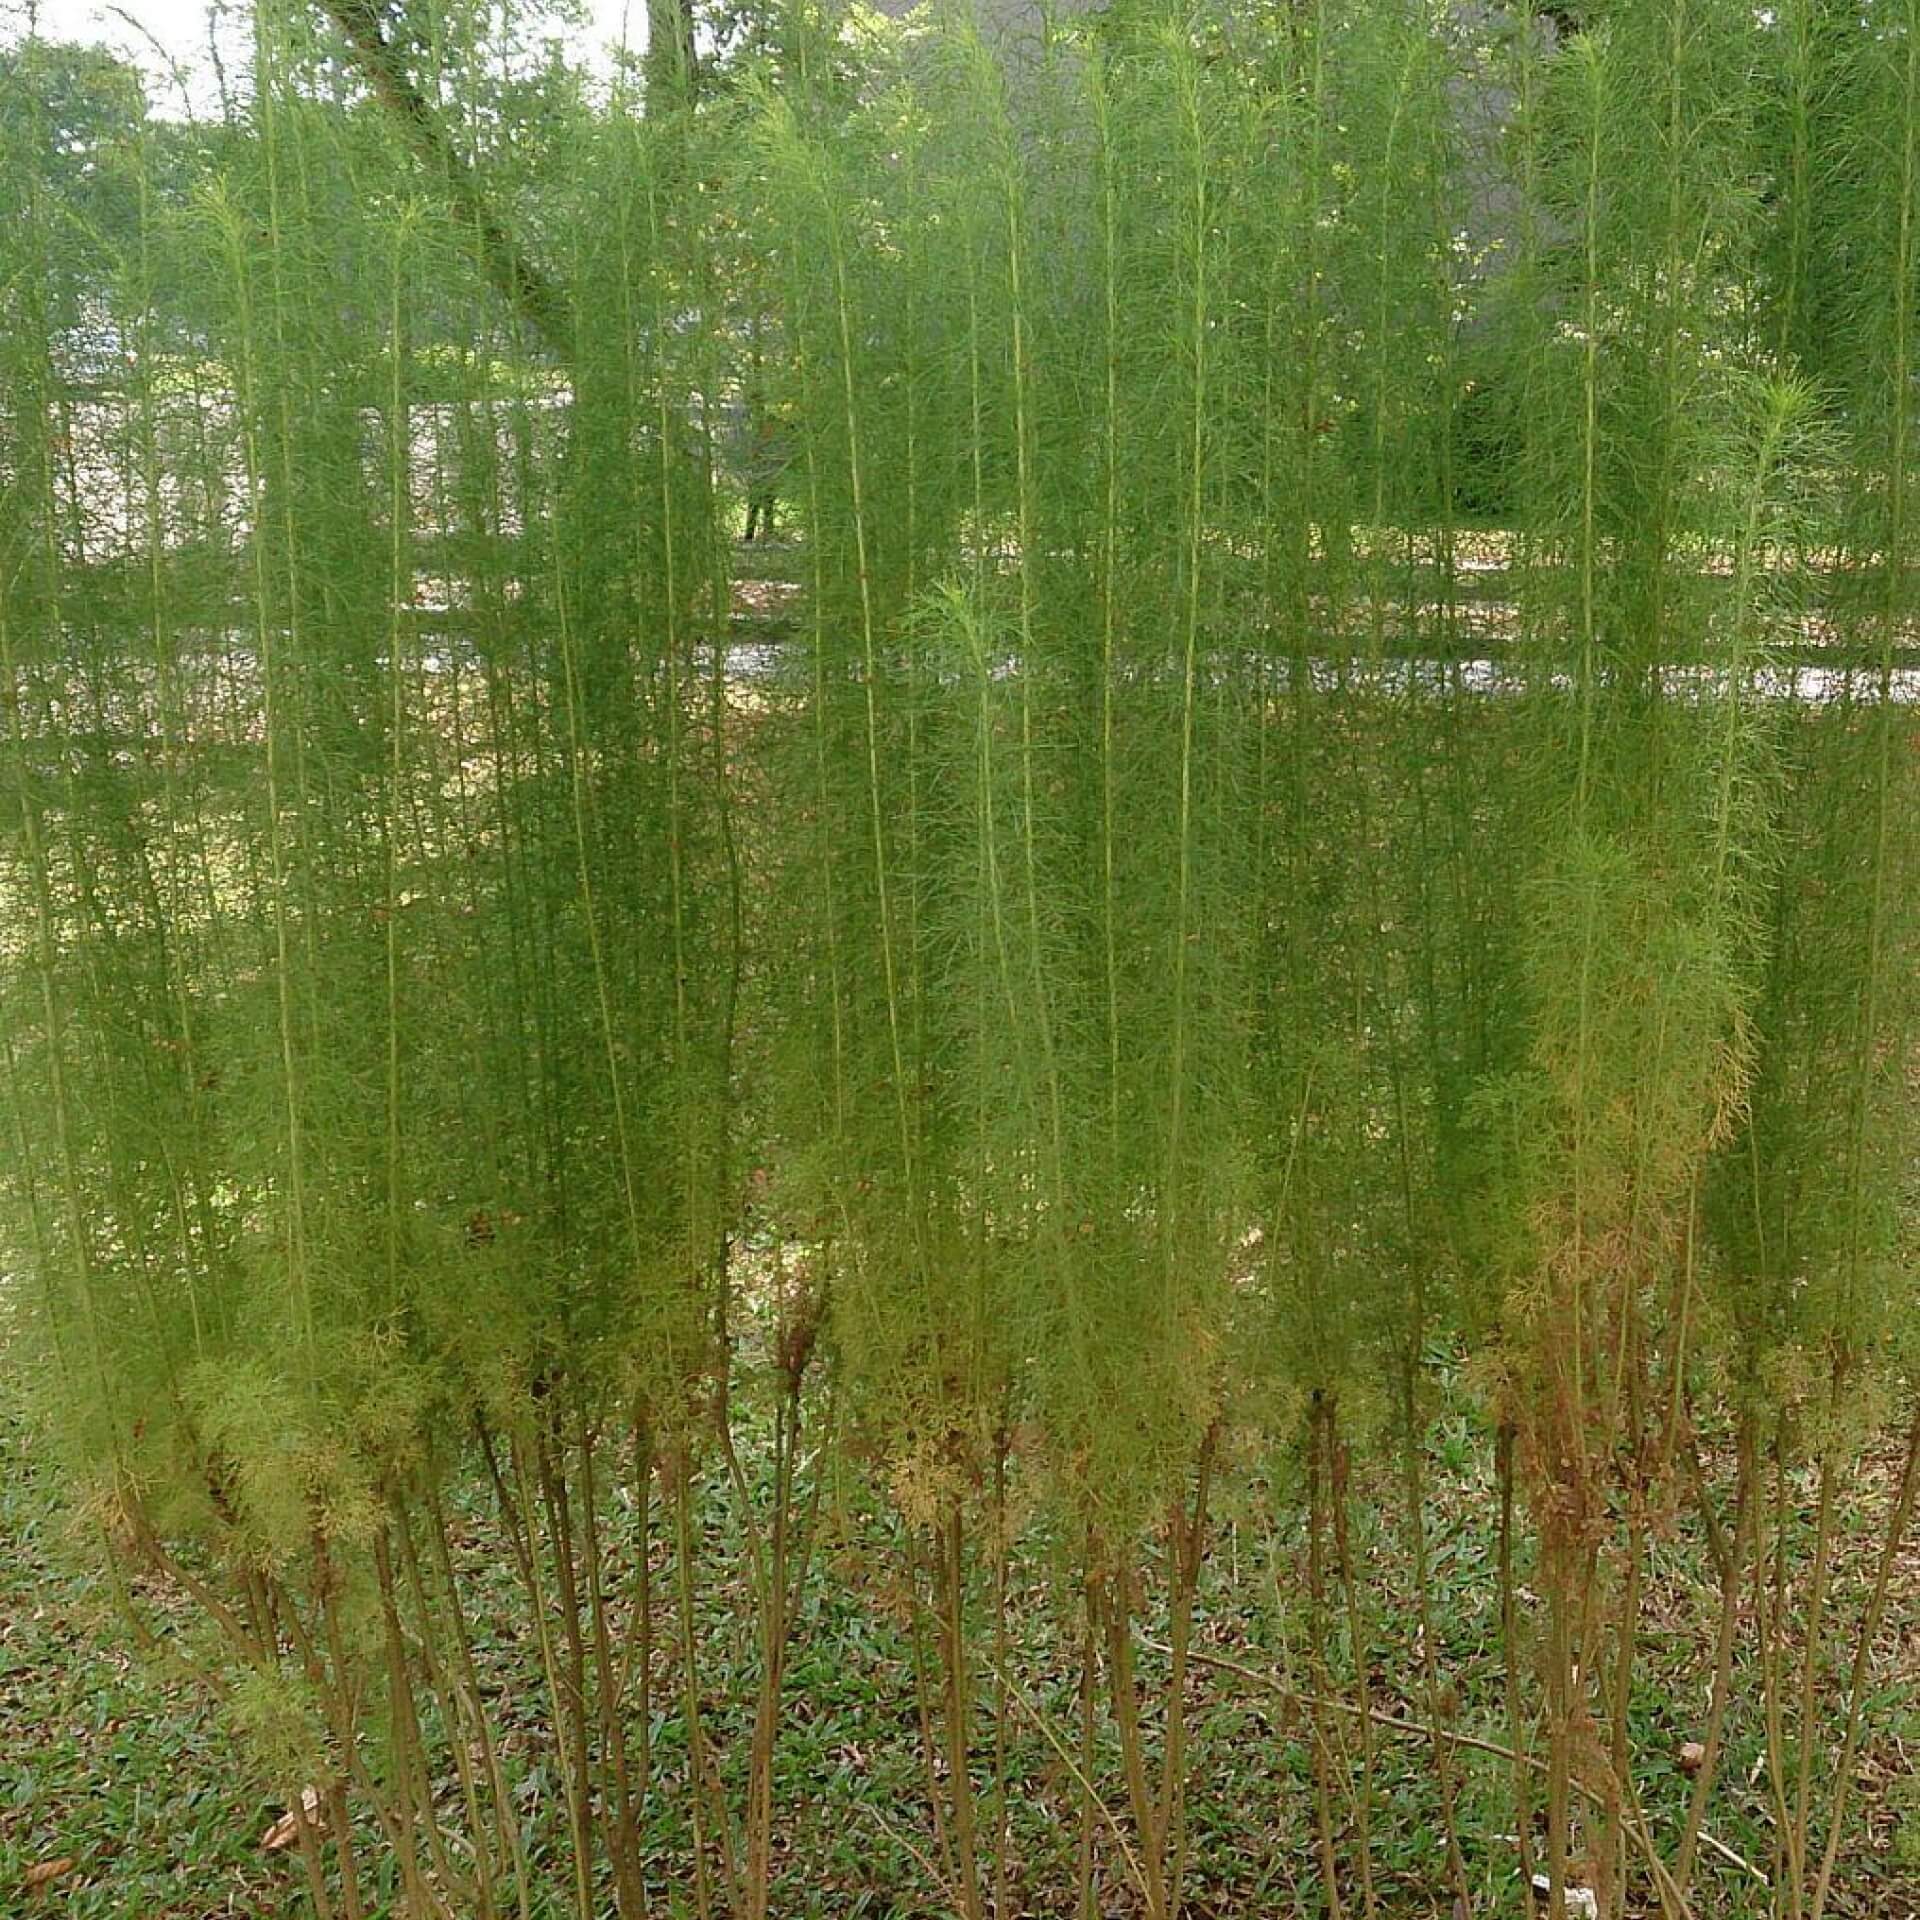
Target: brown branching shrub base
920,955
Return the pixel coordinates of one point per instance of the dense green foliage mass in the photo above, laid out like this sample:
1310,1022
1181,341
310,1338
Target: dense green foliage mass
1325,774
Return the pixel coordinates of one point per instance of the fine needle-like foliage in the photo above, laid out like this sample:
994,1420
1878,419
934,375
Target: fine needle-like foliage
952,806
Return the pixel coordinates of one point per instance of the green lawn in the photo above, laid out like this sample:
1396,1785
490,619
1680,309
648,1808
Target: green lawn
108,1762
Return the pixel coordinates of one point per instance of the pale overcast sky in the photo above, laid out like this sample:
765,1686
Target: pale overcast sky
180,27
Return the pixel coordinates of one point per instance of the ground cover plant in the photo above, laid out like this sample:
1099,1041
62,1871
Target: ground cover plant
1203,1103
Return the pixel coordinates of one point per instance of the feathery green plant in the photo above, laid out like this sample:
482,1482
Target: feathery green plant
1143,924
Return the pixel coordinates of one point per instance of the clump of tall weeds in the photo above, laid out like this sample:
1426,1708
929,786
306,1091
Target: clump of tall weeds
1157,932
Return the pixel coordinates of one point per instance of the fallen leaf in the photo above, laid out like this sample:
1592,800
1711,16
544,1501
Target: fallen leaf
1580,1902
286,1830
47,1872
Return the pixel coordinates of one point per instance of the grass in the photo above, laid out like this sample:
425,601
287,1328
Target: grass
110,1762
104,1759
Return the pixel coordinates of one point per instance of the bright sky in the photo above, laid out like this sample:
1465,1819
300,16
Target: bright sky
180,27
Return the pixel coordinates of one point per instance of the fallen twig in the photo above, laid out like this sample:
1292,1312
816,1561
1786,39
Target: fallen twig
1673,1898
